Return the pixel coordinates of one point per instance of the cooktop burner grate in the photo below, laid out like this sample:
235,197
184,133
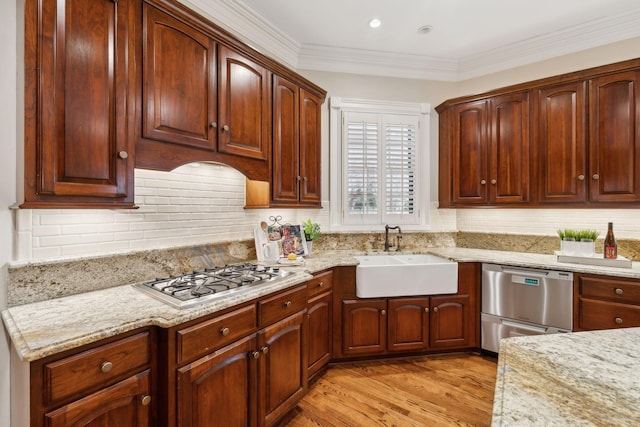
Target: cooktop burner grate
198,287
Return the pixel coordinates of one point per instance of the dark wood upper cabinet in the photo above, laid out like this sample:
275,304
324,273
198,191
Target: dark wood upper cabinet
566,141
489,149
79,70
310,147
244,106
560,130
614,138
179,66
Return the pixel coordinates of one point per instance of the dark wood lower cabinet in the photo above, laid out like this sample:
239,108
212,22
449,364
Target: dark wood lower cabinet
282,373
364,327
219,389
449,322
319,311
408,324
603,302
122,404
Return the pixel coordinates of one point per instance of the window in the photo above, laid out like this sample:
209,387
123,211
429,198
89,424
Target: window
382,173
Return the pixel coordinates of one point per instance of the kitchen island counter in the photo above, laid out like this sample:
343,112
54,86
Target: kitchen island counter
582,378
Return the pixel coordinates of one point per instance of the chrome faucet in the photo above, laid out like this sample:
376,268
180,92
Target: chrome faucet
387,245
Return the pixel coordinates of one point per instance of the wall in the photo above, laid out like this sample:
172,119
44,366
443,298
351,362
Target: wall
8,127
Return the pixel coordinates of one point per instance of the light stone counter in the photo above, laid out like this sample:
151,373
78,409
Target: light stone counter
576,379
42,328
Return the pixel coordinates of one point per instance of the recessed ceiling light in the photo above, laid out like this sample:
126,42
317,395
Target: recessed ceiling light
425,29
374,23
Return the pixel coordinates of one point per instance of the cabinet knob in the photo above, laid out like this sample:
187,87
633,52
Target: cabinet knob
494,182
123,154
225,128
106,367
264,350
255,354
224,331
435,309
483,181
580,177
426,309
320,284
618,320
287,304
298,177
596,176
619,291
145,400
213,124
304,178
383,312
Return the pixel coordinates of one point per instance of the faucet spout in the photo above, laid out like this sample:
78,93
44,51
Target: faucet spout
387,244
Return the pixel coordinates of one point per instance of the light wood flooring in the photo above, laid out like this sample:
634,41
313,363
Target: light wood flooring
442,390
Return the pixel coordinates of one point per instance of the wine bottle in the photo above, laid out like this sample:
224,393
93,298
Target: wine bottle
610,246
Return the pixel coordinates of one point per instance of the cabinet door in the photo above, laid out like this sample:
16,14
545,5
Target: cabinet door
561,138
408,324
286,142
179,66
244,114
614,138
219,389
319,335
450,322
282,371
469,153
509,148
310,148
364,326
126,403
79,73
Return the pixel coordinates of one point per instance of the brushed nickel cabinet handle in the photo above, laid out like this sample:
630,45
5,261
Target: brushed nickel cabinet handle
596,176
383,312
580,177
483,181
225,128
106,367
435,309
123,154
619,291
264,350
426,309
494,182
224,331
287,304
320,284
255,354
145,400
213,124
618,320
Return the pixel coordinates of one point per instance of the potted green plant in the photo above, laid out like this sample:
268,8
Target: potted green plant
311,233
577,242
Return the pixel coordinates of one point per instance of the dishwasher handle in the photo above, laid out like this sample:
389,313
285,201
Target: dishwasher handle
526,272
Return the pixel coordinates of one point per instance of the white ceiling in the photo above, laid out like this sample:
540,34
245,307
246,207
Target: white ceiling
468,37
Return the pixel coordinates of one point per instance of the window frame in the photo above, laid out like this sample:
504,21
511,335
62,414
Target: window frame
421,113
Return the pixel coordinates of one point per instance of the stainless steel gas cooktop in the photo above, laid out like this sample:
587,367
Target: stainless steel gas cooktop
199,287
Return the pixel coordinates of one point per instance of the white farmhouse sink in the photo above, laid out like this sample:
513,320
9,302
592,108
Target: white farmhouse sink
405,275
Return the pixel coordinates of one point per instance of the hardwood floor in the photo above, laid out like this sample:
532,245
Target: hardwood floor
442,390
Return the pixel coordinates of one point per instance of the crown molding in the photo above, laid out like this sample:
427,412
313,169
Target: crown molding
252,29
249,27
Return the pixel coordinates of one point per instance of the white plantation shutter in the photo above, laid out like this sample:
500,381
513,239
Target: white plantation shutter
379,168
400,167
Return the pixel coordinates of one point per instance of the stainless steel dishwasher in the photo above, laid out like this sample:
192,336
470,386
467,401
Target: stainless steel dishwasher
524,301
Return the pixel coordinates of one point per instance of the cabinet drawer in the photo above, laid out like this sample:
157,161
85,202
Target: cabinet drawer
205,337
98,366
624,291
596,314
282,305
320,283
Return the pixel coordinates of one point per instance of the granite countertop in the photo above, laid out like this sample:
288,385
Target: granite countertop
44,328
582,378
